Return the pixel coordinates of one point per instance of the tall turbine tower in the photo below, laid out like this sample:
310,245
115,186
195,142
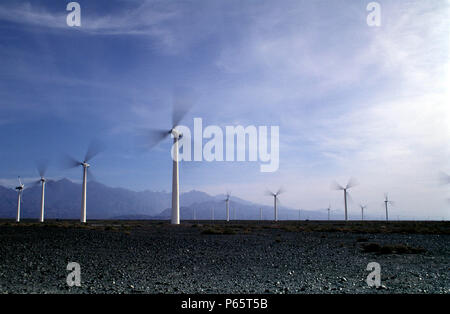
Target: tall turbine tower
351,183
94,149
275,201
42,168
362,210
19,198
153,136
329,210
386,203
227,200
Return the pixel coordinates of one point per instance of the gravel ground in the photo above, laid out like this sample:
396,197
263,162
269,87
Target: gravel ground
241,257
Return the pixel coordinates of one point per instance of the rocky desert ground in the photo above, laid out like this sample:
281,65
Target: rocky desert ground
215,257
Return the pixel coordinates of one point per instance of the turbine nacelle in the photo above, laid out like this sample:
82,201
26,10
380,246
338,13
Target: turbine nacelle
85,164
21,186
275,194
175,133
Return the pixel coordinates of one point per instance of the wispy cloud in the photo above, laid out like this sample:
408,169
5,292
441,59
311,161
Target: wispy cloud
145,19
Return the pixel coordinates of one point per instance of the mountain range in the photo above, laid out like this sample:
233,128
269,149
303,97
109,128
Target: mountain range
63,201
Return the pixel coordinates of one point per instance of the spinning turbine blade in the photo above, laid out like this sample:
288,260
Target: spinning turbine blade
351,183
182,104
41,167
149,138
69,162
349,197
91,176
336,186
95,148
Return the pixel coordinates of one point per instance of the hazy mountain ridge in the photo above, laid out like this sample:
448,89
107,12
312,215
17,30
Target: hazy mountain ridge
63,200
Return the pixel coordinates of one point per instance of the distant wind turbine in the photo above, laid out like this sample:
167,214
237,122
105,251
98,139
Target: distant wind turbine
19,189
94,149
227,200
351,183
329,210
42,168
275,201
386,203
362,210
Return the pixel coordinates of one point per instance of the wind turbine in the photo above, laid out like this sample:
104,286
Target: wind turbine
93,150
212,213
260,213
19,198
351,183
42,168
227,200
329,209
362,210
386,202
153,137
275,200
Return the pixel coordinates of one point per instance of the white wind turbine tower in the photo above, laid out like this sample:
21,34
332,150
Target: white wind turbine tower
227,200
42,168
153,137
19,189
94,149
260,213
386,203
212,213
362,210
275,201
351,183
329,210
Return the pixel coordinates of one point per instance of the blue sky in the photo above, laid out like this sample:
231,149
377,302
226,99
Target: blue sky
350,100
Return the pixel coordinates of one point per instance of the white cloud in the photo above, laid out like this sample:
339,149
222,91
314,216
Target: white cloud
144,19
